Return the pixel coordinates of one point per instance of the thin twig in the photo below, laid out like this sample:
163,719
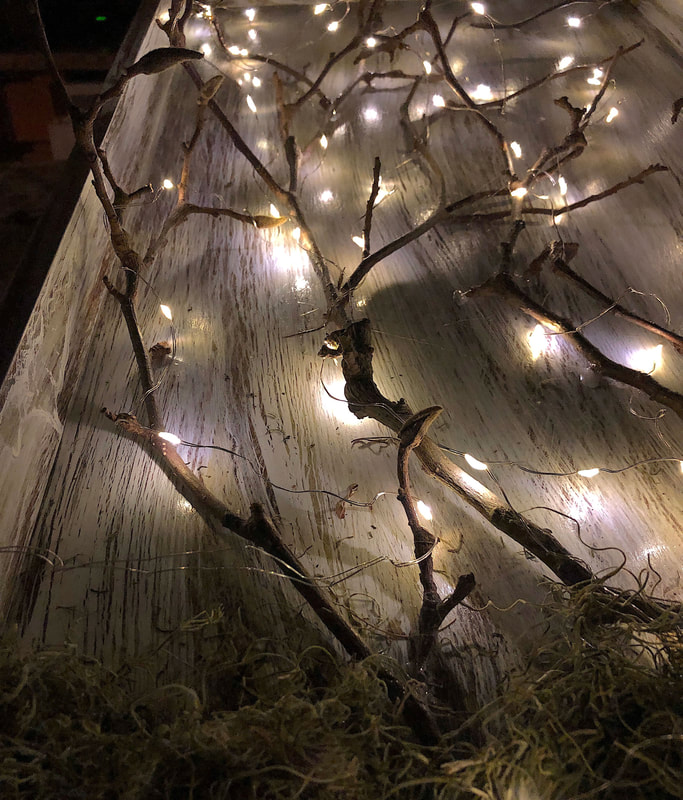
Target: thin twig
593,198
519,23
367,225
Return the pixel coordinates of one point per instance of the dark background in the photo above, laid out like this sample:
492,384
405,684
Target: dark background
38,182
71,24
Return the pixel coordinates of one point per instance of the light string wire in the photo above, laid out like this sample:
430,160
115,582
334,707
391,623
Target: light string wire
390,410
519,464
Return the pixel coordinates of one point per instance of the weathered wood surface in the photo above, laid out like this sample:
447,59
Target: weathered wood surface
130,543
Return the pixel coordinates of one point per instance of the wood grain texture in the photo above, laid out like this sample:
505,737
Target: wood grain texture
131,546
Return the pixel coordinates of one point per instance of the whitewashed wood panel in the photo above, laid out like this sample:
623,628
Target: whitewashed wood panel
236,381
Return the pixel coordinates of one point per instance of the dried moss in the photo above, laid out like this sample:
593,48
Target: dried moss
597,714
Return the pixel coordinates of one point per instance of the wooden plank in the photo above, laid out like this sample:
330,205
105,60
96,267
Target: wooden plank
237,381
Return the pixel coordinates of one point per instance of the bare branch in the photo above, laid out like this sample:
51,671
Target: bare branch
554,254
273,62
440,215
433,610
365,400
603,88
432,28
127,304
551,76
503,286
259,530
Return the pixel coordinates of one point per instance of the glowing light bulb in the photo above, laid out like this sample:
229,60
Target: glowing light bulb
323,142
332,27
565,62
428,67
596,80
247,77
482,92
251,103
562,183
166,311
335,404
516,149
244,52
588,473
475,463
170,437
538,341
424,510
326,196
274,211
358,240
206,49
234,50
648,360
478,8
438,101
250,14
520,191
382,193
573,22
370,114
300,283
613,112
256,81
251,33
167,184
296,234
371,41
320,8
164,17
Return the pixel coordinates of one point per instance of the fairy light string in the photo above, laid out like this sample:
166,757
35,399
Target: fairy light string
518,189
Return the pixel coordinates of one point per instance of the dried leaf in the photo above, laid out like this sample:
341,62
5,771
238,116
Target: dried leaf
209,89
340,508
158,353
161,59
263,221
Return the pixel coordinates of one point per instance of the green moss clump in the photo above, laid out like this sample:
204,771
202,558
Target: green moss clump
597,714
